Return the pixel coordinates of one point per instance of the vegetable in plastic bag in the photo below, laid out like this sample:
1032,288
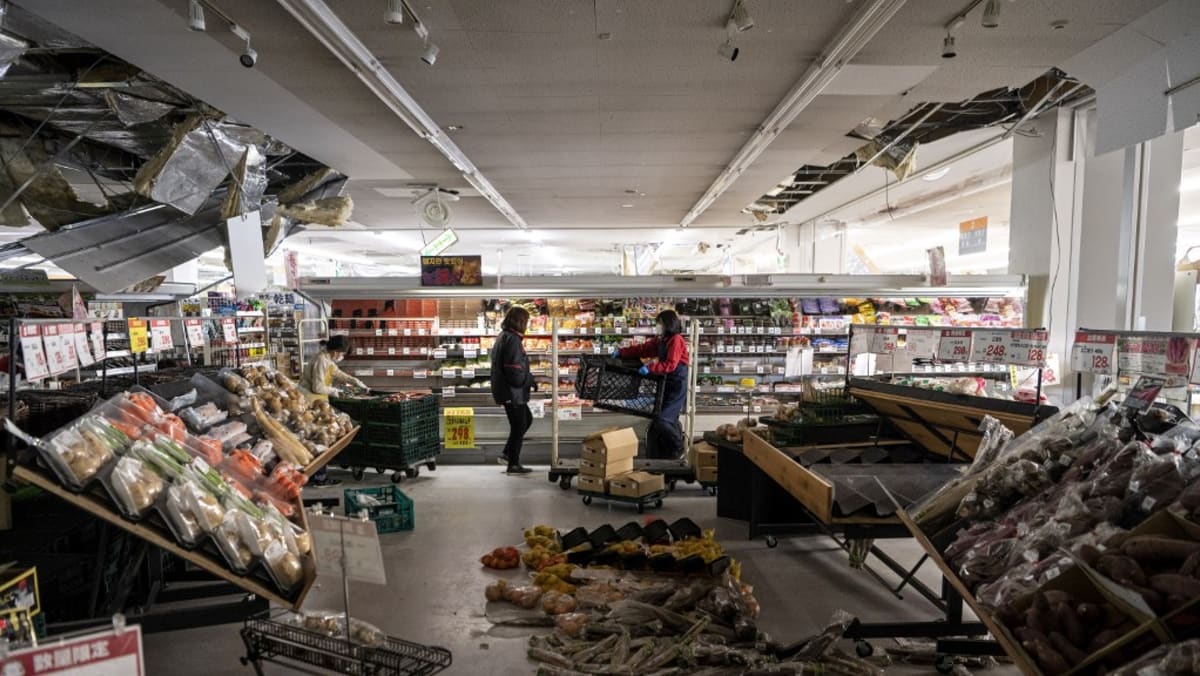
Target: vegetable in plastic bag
186,526
284,565
572,624
229,541
135,485
200,418
81,450
525,596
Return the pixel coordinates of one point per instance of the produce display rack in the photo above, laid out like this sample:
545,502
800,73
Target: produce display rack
654,499
267,640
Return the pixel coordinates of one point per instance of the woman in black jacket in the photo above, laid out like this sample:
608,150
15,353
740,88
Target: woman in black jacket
511,384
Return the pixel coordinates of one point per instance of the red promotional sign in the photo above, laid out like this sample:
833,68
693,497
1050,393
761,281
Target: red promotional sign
107,653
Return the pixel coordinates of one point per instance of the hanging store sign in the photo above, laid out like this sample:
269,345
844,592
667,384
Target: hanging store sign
160,335
66,337
82,350
56,357
1028,348
194,331
115,652
990,347
139,336
98,347
34,357
451,271
1093,353
460,427
229,331
954,345
972,236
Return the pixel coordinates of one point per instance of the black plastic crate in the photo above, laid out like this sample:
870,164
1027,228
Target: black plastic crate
848,429
615,386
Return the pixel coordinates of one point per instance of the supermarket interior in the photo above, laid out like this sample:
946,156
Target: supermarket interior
620,337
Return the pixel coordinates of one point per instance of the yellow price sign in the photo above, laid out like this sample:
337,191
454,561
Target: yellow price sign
460,427
139,336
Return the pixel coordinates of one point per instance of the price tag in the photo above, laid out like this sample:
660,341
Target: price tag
762,369
707,370
370,352
720,330
82,350
776,331
779,370
420,332
405,351
390,372
391,351
364,372
758,408
737,369
92,654
596,349
618,330
468,373
720,348
470,354
884,339
1194,378
460,427
408,332
193,330
726,389
55,358
1142,354
358,352
921,344
737,349
439,353
1028,348
98,347
991,347
448,391
36,366
229,331
139,338
566,332
450,373
66,335
954,345
570,412
392,332
420,374
378,332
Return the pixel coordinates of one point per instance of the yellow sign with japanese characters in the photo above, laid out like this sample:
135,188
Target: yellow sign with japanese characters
139,336
460,427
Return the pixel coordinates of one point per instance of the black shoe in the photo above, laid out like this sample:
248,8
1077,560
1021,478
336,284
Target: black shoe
518,469
325,483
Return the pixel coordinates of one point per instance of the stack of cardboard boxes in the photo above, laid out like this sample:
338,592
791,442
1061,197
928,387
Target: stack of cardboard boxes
704,462
606,466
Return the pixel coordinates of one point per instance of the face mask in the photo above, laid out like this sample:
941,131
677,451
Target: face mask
338,357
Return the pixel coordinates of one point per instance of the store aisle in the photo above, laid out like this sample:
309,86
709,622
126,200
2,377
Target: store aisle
435,590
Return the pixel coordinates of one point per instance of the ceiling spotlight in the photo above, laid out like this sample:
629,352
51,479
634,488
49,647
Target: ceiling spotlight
740,17
394,14
249,57
429,56
728,50
991,14
195,16
948,50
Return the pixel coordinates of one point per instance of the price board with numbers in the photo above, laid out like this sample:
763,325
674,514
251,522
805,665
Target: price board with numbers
884,339
1028,348
991,347
1094,353
460,427
954,345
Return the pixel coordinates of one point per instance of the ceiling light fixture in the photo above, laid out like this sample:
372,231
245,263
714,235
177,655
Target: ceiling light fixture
626,206
195,16
991,14
429,56
394,14
322,23
249,57
740,17
868,20
936,174
948,49
728,50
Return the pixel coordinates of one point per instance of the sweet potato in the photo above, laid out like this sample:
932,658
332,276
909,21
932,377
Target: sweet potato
1171,583
1089,554
1107,636
1191,565
1067,648
1091,614
1050,660
1037,620
1069,624
1121,569
1158,549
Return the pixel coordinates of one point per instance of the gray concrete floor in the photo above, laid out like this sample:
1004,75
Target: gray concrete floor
435,583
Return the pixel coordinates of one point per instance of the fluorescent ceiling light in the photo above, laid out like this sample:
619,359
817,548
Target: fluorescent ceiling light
868,20
1190,184
323,23
936,174
1189,221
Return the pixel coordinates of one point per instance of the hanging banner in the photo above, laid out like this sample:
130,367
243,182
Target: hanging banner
460,427
990,347
1028,348
98,348
56,358
78,309
194,332
32,353
954,345
1093,353
972,236
139,337
229,330
291,269
82,351
160,335
451,271
937,266
884,340
113,652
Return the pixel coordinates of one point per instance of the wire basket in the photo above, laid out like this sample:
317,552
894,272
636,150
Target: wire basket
279,642
615,386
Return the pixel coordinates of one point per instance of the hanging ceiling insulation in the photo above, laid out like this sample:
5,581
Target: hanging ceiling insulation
893,146
162,169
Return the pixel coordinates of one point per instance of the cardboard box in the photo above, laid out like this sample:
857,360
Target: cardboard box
610,445
635,484
602,469
593,484
703,454
706,474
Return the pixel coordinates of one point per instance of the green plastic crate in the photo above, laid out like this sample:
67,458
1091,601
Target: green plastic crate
393,515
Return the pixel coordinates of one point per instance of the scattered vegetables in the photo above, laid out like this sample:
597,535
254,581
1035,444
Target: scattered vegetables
502,558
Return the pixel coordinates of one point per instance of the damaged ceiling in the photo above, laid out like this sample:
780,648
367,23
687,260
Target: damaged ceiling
169,169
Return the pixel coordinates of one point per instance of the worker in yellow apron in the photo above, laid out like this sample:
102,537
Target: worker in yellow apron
320,379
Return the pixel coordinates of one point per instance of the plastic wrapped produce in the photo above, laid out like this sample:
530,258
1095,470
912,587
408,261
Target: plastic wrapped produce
78,452
525,597
203,506
572,624
1155,482
135,486
1177,658
229,541
285,566
200,418
183,522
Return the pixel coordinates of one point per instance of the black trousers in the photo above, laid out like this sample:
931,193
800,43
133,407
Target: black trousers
519,420
664,439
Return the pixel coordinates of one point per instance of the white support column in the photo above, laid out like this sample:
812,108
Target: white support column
1158,164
